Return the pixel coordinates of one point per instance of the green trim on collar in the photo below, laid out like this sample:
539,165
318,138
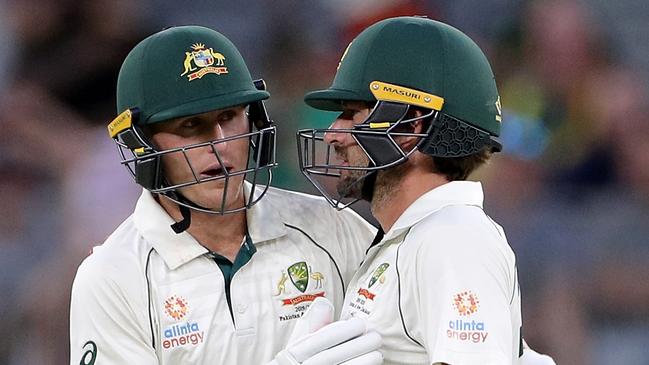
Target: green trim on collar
229,269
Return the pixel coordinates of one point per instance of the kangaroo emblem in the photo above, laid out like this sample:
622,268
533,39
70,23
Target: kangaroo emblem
220,58
188,63
318,277
281,285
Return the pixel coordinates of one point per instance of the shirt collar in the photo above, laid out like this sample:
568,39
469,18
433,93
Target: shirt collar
452,193
154,223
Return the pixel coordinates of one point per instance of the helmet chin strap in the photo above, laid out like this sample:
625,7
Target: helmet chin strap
182,225
186,212
367,190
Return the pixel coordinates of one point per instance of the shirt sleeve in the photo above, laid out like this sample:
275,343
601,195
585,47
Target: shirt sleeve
104,327
464,287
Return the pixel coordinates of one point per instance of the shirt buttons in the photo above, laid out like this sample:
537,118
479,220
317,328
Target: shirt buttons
241,308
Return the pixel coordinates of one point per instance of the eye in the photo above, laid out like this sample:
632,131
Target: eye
190,123
227,116
347,114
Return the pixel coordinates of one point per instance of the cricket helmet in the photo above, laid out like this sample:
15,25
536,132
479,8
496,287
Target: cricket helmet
183,71
402,63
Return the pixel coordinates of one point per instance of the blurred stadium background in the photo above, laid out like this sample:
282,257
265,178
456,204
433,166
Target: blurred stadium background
571,188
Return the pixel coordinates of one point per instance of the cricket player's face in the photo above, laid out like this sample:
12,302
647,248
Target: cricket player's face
202,162
348,152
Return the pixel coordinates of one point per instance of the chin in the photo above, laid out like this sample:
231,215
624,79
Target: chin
213,199
210,194
348,189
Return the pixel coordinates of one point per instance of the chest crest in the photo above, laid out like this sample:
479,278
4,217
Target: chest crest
374,282
296,287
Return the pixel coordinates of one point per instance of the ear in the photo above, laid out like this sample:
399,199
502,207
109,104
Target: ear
416,127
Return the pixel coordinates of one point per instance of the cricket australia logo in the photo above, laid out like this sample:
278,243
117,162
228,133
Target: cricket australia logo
378,274
304,281
203,61
299,274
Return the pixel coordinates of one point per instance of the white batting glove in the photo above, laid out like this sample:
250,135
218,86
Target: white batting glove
531,357
318,341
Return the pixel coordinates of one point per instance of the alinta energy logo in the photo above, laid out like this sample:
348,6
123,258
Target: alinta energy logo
189,333
466,304
182,334
176,307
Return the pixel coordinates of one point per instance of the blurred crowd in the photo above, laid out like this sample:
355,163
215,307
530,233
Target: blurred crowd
571,187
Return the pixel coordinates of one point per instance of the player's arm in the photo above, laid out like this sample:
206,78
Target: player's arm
105,324
463,300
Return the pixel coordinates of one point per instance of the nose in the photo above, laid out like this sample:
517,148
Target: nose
217,136
218,131
336,138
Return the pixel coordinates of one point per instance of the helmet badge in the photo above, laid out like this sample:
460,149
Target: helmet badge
499,110
206,61
343,56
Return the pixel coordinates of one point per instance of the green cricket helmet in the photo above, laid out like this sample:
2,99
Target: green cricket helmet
397,64
183,71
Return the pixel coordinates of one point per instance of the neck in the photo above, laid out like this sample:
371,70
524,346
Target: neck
396,189
222,234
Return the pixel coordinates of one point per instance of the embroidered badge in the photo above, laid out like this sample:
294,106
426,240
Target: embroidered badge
378,274
203,61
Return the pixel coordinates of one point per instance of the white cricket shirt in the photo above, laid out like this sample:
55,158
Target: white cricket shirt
151,296
441,286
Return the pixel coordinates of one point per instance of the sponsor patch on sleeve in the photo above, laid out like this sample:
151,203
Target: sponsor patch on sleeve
465,327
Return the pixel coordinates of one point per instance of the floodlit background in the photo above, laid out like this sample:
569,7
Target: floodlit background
571,187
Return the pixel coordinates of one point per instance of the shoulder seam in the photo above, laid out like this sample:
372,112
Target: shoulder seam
494,224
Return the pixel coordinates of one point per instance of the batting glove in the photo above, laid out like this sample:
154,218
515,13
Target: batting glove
318,341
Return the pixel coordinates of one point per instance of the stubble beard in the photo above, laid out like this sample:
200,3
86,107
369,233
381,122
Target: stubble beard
350,183
387,182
